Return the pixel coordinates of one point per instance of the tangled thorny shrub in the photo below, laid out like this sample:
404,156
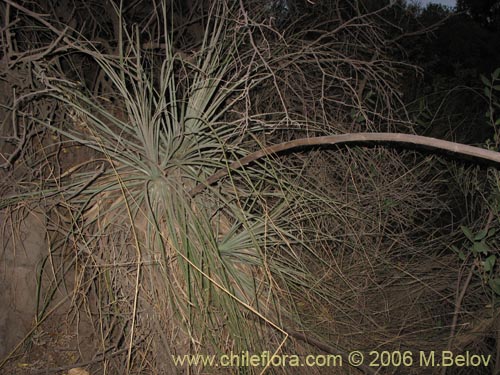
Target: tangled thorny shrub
331,246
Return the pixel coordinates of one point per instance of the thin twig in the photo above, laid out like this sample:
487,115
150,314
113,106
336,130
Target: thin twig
94,177
36,16
80,364
458,305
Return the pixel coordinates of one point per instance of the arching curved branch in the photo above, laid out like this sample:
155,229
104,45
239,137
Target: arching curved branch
427,142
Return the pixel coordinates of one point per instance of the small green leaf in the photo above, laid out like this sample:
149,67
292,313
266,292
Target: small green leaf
485,80
480,247
492,231
467,233
487,91
495,285
480,235
489,263
496,87
497,122
496,73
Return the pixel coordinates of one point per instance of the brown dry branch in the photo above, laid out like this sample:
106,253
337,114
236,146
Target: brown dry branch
428,142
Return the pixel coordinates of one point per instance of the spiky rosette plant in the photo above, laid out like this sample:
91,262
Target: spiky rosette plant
176,266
